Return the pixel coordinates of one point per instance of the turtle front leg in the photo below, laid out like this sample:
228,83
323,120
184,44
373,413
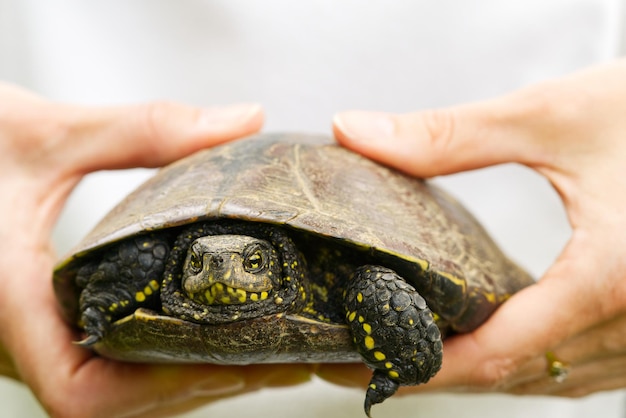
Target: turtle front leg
394,331
128,276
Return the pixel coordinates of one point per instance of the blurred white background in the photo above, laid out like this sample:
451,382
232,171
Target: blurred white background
304,61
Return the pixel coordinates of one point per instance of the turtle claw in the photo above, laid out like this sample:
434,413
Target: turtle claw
88,341
380,388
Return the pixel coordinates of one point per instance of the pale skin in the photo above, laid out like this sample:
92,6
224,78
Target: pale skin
571,131
45,149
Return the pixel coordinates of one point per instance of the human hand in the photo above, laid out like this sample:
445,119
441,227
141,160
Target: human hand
572,131
45,149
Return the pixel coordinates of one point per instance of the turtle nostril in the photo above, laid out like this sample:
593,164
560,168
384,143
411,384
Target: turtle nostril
217,261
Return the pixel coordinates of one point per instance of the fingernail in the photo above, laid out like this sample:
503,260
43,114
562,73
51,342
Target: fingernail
216,117
219,384
365,126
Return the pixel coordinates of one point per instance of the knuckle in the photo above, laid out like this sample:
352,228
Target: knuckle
154,128
440,126
494,374
153,117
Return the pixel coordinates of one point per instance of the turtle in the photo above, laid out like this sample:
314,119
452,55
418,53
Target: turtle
285,247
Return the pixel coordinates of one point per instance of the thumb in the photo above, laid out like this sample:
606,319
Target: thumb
149,135
444,141
78,139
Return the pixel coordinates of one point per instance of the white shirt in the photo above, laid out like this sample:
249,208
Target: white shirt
304,61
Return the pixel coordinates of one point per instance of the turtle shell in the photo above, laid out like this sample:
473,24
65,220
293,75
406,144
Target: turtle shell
309,183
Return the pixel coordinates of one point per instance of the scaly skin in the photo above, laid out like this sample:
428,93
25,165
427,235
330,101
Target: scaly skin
394,331
128,276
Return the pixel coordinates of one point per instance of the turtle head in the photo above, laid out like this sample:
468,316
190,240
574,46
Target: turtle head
231,270
220,273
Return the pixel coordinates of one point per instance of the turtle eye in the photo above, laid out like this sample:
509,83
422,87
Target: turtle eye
195,263
255,259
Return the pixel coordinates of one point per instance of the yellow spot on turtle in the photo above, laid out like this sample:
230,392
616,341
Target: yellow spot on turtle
361,319
113,307
380,356
140,297
147,290
373,386
367,328
196,317
388,365
154,284
225,300
369,342
227,274
393,374
254,297
264,295
359,297
241,295
278,300
351,316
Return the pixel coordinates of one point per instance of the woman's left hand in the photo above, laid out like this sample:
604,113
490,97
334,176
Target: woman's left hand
566,335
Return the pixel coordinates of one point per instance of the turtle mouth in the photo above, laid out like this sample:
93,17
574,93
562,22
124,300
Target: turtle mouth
223,294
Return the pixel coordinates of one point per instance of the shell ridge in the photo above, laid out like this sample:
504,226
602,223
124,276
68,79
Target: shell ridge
302,180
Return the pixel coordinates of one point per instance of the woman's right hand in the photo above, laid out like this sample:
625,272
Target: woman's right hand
45,150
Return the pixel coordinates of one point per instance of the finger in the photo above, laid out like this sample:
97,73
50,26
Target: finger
600,342
256,377
345,374
90,138
444,141
581,380
148,135
143,390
